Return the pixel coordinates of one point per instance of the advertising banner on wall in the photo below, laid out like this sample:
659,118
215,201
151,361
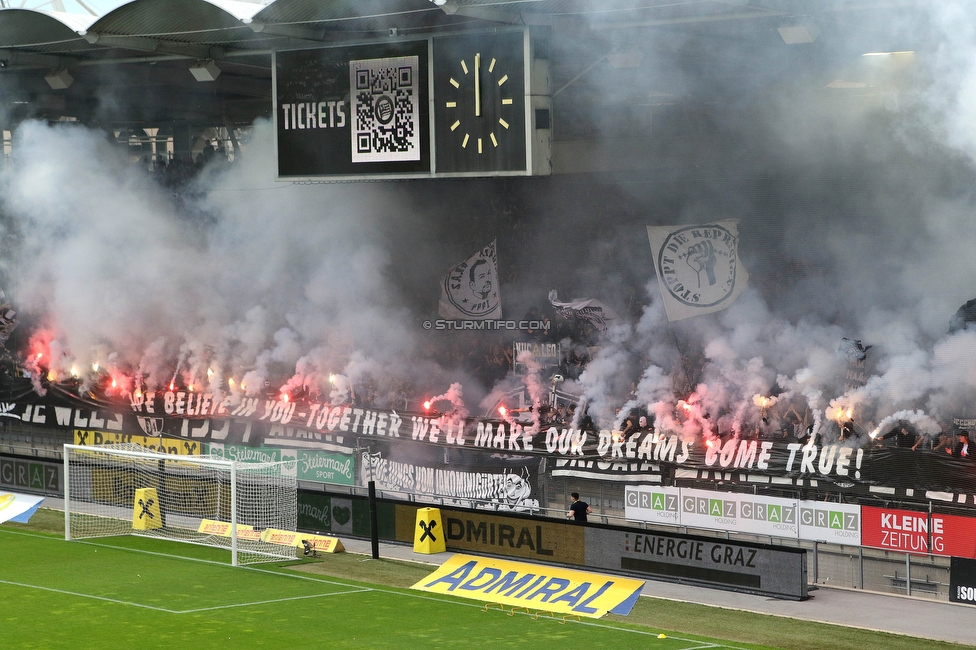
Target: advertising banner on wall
918,532
834,523
34,475
537,539
323,467
657,505
741,513
468,478
752,568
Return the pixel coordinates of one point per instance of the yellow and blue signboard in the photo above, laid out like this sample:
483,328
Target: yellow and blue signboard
533,586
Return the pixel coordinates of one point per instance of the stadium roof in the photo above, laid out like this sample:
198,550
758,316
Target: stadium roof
131,64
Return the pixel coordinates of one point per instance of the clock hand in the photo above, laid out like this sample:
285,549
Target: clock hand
477,85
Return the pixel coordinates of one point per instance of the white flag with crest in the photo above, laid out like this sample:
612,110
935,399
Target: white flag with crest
470,289
697,267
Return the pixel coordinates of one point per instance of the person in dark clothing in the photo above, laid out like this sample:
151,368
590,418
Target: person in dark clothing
578,509
962,448
904,439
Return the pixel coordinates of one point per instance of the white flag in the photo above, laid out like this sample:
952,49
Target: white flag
470,289
697,267
590,310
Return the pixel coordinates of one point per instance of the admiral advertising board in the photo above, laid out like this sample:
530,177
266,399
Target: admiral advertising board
533,586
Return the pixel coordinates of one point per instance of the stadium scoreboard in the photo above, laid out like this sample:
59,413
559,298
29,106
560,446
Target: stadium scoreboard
473,104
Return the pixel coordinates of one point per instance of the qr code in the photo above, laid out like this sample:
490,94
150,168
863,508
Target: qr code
386,115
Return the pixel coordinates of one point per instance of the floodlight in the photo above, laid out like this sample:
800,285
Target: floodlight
205,71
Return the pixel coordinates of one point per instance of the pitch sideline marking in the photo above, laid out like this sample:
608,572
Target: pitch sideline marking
275,600
80,595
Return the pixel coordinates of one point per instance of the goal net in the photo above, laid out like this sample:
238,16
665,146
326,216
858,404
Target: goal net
125,490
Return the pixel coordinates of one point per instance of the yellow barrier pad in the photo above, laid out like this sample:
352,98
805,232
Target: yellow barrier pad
283,537
323,544
145,510
534,586
429,534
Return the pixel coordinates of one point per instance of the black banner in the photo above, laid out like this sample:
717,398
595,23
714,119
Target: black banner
962,581
191,418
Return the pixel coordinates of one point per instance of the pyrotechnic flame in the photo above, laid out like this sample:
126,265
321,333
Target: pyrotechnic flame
502,410
74,371
114,383
210,373
40,354
172,385
840,414
230,382
332,378
284,397
426,404
95,366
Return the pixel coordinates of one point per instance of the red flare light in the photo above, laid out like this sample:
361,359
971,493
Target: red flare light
115,384
427,405
172,385
40,354
284,397
502,410
710,443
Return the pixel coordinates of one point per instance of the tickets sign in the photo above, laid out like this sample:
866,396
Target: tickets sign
533,586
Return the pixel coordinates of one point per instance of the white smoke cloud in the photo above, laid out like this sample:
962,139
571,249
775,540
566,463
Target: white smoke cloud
856,221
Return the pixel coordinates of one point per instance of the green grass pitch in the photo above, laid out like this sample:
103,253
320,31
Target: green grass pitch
135,592
132,592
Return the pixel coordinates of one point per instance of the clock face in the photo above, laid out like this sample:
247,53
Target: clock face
479,103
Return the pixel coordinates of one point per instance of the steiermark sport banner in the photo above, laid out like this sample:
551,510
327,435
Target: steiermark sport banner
311,465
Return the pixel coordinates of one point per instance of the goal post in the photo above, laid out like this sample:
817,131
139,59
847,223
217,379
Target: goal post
126,490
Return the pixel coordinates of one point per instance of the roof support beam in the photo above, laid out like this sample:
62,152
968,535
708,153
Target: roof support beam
141,44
